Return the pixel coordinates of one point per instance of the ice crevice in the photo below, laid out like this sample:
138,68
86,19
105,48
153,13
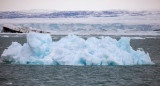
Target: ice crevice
74,50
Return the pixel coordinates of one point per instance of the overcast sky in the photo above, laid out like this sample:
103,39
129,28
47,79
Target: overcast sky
72,5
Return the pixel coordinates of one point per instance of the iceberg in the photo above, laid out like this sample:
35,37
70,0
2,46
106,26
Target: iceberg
74,50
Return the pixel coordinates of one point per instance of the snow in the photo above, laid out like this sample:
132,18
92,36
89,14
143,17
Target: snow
73,50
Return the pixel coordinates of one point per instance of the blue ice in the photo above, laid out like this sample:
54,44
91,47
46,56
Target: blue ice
74,50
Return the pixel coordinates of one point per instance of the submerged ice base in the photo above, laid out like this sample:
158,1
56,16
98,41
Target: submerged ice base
73,50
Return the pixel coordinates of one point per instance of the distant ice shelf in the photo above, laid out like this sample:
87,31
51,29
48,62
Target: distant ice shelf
73,50
83,29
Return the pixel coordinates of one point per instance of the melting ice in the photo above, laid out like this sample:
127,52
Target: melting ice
73,50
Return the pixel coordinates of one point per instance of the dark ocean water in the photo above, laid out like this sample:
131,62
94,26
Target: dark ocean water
34,75
46,75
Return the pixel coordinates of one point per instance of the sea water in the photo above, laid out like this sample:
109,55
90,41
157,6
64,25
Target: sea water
148,75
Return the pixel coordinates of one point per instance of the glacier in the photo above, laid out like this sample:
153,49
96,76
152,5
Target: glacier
74,50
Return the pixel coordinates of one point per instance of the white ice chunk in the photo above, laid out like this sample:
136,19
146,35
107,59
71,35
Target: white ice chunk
73,50
40,44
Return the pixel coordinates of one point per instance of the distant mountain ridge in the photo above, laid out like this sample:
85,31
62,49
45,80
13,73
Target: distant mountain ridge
73,14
